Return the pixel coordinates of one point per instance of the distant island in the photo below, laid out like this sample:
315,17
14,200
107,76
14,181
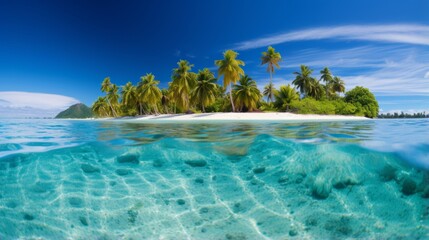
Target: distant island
78,110
404,115
190,92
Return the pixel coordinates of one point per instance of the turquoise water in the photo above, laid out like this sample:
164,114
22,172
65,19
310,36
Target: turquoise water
261,180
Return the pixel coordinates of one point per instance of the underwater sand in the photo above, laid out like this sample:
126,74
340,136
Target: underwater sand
263,180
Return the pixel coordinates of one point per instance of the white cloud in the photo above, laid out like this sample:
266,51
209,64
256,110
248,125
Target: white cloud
395,33
28,104
399,71
386,70
358,57
427,75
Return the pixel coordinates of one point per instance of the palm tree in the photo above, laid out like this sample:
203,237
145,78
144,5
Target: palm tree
140,97
284,96
113,98
100,107
272,58
327,78
129,99
230,68
129,94
165,99
106,86
303,79
315,89
246,93
269,91
205,89
174,96
338,85
183,82
150,91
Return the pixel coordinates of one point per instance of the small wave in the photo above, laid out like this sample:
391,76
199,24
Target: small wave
34,149
415,154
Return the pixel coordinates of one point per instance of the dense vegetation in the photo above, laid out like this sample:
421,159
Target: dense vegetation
78,110
191,91
404,115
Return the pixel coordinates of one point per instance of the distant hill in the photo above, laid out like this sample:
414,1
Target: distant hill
78,110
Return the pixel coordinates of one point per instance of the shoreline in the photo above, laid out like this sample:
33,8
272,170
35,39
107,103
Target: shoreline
234,117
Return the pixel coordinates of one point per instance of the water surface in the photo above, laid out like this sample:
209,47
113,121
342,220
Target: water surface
123,180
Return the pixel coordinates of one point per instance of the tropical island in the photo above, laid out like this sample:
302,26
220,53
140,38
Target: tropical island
199,92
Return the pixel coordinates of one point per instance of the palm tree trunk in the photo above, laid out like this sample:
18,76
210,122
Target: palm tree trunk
230,97
202,105
156,110
271,82
140,106
327,91
187,103
111,107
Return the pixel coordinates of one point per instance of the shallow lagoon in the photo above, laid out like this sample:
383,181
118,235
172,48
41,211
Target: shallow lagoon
112,179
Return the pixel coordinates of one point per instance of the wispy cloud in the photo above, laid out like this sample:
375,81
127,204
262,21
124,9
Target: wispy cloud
395,33
397,72
28,104
359,57
386,70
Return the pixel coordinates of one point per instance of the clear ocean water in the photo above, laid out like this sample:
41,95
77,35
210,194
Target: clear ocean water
65,179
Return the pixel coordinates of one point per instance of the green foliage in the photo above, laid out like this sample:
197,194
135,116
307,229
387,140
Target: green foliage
149,91
128,111
222,102
364,100
129,100
204,92
337,106
315,89
246,94
338,85
312,106
284,96
267,106
79,110
345,108
183,82
303,79
272,58
230,68
269,91
112,96
100,107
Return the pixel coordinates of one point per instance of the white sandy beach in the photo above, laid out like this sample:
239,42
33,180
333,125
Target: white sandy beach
253,116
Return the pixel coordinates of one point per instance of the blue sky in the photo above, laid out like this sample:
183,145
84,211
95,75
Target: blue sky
67,47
